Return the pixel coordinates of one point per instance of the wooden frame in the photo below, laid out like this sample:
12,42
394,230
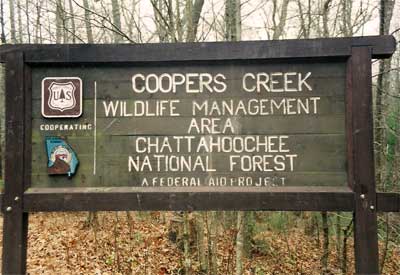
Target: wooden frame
359,197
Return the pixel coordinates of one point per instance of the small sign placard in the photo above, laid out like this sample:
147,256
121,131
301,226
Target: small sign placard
61,97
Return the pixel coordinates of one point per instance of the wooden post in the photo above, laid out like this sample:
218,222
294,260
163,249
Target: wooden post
15,220
365,220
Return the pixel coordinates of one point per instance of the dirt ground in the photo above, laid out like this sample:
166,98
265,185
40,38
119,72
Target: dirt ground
63,243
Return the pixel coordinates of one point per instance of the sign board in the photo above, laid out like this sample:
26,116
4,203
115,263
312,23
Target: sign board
241,124
262,125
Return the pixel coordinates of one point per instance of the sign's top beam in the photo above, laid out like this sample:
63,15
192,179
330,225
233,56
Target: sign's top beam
382,47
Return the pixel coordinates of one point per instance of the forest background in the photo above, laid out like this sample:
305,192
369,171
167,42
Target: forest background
212,242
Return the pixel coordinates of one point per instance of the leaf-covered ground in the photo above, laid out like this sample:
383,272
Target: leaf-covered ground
63,243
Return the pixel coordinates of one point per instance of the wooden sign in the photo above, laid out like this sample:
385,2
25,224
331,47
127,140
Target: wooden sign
240,124
266,125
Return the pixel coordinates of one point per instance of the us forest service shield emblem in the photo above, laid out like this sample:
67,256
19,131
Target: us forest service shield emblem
61,97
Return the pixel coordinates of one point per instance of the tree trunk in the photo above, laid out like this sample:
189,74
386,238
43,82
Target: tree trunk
2,118
28,27
59,21
233,21
212,244
325,253
171,20
325,17
186,243
347,7
192,18
2,111
346,234
200,242
233,33
386,12
280,27
2,24
396,161
38,27
73,28
88,24
240,242
19,16
386,243
12,22
116,14
338,236
189,21
197,8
